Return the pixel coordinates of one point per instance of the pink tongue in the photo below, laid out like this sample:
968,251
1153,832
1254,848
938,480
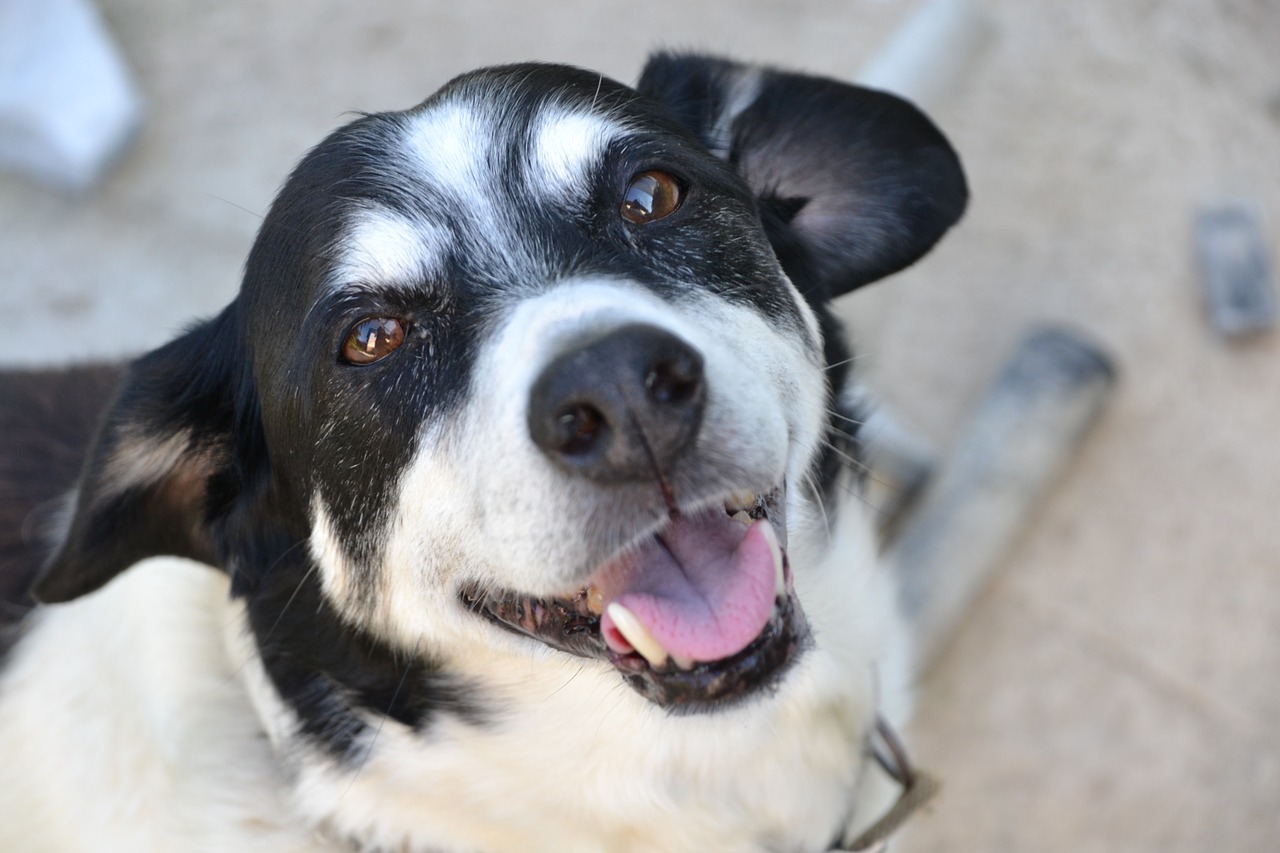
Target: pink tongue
704,588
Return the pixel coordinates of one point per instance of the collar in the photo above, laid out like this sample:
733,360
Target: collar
918,788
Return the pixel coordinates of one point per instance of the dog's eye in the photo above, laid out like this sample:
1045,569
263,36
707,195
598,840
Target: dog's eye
373,338
650,195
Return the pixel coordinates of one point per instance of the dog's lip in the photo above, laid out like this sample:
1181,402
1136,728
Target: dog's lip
572,623
757,667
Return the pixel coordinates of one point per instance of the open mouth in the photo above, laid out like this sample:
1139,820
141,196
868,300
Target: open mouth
699,615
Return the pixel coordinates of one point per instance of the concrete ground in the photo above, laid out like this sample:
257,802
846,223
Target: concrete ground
1117,687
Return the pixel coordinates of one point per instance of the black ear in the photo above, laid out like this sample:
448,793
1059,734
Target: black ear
862,179
158,471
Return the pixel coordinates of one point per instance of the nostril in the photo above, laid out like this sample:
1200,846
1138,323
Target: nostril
674,380
579,429
619,407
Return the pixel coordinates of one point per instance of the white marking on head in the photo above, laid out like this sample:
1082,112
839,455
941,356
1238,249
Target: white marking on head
567,144
387,248
452,144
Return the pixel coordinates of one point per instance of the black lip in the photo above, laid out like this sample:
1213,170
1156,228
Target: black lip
569,626
565,625
757,668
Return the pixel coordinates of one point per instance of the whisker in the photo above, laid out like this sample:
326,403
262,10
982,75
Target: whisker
567,681
850,360
835,414
297,589
596,96
849,459
821,504
368,752
283,609
852,492
255,214
866,470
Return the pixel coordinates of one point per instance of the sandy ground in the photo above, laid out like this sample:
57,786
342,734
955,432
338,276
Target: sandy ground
1117,686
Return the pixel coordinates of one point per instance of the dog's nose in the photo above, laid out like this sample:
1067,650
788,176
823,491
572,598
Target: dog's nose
623,407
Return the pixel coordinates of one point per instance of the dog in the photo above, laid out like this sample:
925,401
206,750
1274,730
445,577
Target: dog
513,503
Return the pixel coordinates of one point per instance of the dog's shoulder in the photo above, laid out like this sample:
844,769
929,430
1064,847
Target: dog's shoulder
125,708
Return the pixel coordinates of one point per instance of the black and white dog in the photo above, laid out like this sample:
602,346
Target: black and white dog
522,458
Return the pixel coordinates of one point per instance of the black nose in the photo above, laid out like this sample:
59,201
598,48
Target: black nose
620,406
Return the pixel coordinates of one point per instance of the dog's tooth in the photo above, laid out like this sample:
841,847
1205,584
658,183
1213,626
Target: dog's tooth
740,500
595,600
779,577
637,635
684,663
742,518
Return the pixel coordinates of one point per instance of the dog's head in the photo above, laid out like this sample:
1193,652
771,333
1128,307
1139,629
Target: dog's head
540,368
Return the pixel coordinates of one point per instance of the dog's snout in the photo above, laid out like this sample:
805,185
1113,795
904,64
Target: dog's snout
623,407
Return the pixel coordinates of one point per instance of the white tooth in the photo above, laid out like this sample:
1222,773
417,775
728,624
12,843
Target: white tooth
779,579
637,635
742,518
684,663
740,500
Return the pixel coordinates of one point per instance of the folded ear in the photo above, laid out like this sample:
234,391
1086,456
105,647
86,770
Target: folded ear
861,180
156,473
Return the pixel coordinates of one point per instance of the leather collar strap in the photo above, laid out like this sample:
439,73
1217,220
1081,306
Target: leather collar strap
918,788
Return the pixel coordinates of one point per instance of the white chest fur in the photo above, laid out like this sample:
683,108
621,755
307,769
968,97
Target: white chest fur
123,728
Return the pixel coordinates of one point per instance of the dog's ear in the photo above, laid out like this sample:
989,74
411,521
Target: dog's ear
157,472
858,181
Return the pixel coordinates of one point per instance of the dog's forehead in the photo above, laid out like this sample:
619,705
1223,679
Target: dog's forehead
467,168
480,152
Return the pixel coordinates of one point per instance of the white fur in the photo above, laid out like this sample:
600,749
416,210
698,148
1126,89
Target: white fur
451,145
451,142
566,145
126,728
385,248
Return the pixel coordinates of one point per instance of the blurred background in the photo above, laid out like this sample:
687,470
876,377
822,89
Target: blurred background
1117,686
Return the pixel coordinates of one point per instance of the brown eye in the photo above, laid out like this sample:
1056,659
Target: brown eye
373,338
650,195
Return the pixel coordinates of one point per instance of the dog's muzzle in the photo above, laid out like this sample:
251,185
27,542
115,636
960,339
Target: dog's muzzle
701,614
703,611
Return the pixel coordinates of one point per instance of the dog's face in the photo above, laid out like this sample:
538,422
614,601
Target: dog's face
538,371
547,352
